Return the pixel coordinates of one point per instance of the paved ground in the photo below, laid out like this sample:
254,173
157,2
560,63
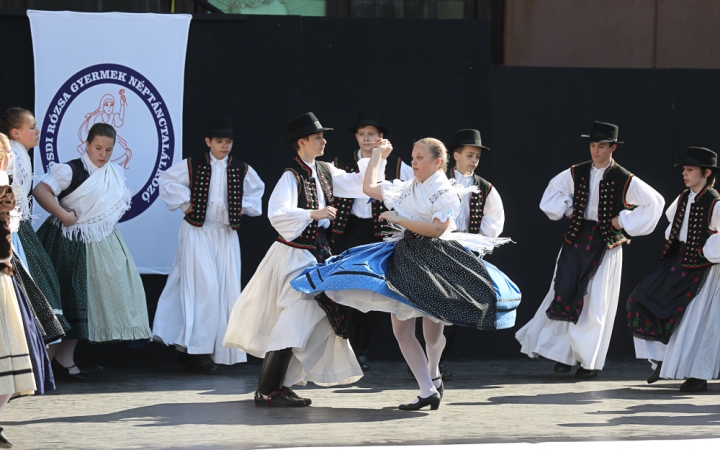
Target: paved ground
488,402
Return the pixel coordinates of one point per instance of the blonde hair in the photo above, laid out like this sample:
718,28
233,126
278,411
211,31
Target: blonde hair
4,146
437,150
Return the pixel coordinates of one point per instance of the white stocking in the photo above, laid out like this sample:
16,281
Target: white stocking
434,346
412,351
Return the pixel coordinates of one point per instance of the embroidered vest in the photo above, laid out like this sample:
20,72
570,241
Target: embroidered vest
79,175
611,200
349,163
698,228
200,172
308,198
477,202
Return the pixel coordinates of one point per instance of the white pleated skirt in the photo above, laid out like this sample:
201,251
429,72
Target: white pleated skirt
585,343
201,290
270,315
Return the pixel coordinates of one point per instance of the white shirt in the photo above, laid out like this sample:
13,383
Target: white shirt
175,191
289,220
493,220
557,202
361,208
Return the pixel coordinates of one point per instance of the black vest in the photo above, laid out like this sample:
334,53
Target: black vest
477,202
349,163
200,172
611,200
308,198
698,228
79,175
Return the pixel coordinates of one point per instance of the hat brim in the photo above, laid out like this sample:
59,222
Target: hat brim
221,135
294,138
382,130
696,163
609,141
457,145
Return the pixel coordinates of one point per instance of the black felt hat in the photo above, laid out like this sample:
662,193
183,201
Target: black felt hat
220,128
370,119
469,137
303,125
603,132
700,157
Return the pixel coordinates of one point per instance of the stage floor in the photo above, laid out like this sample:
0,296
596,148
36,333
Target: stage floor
489,402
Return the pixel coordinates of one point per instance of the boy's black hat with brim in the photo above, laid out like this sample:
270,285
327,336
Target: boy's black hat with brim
469,137
700,157
302,126
220,128
603,132
370,119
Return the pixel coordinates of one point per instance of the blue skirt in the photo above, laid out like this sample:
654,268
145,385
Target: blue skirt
436,277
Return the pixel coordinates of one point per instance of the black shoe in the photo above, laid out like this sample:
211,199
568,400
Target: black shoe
586,374
655,375
562,368
278,399
363,361
65,372
446,374
433,401
694,385
290,393
4,443
205,364
440,389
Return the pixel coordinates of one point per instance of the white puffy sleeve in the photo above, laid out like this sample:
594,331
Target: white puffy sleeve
493,220
350,185
557,200
446,206
393,192
58,178
711,249
175,186
670,215
253,190
283,212
649,207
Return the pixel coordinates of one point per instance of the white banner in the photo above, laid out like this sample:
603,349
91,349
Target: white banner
126,70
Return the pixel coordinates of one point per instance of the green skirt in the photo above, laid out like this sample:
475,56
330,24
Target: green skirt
41,269
101,290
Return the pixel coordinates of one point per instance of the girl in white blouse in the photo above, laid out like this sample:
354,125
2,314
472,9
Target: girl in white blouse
102,293
423,271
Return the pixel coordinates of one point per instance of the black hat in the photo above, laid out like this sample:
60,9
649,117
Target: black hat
701,157
220,128
603,132
369,119
303,125
468,137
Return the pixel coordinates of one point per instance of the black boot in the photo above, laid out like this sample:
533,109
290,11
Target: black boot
655,375
270,391
562,368
694,385
360,344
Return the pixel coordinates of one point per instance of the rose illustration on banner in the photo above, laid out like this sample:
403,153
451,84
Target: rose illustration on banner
150,130
105,113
